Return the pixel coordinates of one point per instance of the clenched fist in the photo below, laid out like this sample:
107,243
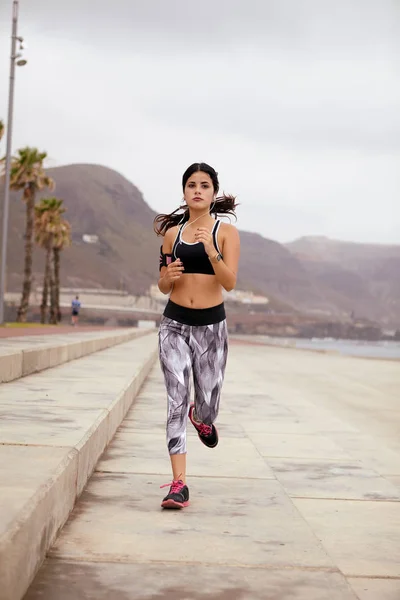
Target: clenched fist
203,235
174,271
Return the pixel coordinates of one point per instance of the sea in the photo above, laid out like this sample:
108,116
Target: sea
381,349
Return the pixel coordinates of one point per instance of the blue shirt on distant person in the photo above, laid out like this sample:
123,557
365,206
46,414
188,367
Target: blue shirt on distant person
75,305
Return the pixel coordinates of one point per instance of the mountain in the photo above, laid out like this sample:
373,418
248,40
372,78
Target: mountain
269,268
356,255
309,275
99,202
364,278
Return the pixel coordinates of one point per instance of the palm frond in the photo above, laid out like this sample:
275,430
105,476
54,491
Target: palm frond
50,228
27,171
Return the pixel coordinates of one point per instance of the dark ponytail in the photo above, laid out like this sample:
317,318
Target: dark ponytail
223,205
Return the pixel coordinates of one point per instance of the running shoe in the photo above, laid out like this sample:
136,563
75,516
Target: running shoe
208,434
178,496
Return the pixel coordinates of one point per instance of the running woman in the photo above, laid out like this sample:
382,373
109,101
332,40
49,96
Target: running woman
198,259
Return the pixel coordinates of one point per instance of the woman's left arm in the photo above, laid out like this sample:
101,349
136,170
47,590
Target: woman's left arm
225,269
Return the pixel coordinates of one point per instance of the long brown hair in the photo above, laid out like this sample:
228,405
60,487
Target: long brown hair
225,204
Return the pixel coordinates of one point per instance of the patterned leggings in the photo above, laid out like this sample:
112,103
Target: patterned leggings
202,349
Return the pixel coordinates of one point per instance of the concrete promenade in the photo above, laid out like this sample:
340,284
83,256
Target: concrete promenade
24,331
300,500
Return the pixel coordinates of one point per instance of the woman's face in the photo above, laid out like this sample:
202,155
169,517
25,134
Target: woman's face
199,191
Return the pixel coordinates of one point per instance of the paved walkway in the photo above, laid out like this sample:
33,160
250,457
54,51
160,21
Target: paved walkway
22,331
300,500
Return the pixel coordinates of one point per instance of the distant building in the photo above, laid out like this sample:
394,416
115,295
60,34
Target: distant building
242,296
90,239
155,293
245,297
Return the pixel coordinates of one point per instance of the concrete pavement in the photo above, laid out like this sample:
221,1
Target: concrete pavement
300,500
24,355
9,331
54,426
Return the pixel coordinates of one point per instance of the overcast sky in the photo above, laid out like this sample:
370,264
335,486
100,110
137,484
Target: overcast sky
296,103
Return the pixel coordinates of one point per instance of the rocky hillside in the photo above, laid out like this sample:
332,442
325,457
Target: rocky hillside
364,278
99,202
311,274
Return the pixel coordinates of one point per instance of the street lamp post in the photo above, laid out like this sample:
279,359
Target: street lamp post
13,61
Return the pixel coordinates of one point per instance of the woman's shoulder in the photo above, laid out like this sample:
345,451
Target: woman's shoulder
169,238
228,228
171,233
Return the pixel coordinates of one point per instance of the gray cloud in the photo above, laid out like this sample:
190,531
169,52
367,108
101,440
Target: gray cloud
296,103
287,22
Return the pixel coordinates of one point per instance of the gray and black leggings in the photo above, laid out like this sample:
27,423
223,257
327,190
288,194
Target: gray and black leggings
184,348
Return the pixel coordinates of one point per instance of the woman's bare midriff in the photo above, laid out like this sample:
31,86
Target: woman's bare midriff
195,290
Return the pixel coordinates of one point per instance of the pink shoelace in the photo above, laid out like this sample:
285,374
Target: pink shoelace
176,486
204,429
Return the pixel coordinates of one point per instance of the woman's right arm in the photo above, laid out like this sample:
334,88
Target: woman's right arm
169,274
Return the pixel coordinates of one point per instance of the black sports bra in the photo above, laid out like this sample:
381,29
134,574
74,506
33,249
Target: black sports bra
192,255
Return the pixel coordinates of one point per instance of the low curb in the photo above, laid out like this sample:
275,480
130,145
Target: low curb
22,357
28,537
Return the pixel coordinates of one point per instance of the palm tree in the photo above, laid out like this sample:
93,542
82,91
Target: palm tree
45,213
61,239
2,129
27,174
52,233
